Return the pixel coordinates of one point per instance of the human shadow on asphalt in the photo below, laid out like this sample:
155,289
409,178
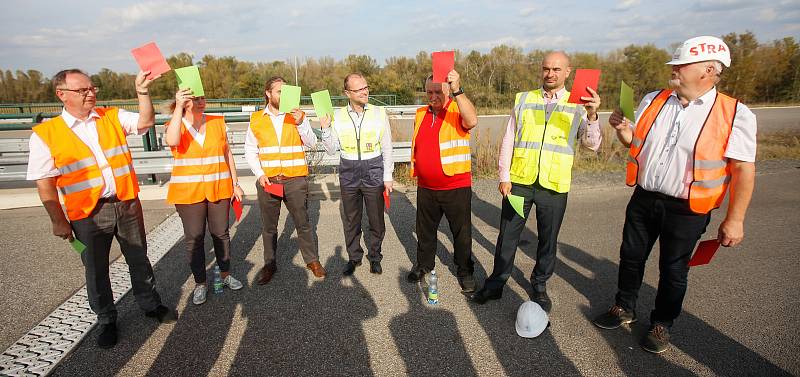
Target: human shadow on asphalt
202,328
293,328
427,337
691,335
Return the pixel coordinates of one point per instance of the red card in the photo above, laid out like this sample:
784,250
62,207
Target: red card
583,78
149,58
705,251
237,209
386,200
274,189
443,63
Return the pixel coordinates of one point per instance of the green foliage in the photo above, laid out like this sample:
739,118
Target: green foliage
760,73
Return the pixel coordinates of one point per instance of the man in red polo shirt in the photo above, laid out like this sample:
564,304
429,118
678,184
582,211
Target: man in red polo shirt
440,159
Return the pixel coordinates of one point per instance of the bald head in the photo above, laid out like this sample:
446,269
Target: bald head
555,70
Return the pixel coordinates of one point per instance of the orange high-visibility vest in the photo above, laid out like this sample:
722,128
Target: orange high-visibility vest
711,173
200,172
81,181
454,149
287,158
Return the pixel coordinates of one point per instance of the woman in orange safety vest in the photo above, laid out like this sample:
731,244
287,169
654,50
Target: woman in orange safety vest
202,185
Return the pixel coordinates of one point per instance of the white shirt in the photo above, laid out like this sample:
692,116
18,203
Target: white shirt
40,160
198,137
251,143
330,140
667,157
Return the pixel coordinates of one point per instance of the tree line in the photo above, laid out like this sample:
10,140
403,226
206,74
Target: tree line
760,73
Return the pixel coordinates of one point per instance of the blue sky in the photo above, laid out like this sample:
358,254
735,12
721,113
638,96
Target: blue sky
49,36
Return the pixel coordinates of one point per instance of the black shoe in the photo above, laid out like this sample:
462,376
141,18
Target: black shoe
107,335
467,284
415,275
162,314
614,317
375,267
657,339
484,295
543,300
351,267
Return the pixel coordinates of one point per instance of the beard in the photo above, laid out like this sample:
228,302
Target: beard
674,83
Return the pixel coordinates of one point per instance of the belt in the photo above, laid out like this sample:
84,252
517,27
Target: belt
110,199
280,177
661,196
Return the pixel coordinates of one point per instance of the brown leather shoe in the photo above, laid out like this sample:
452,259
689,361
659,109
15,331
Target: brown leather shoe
317,269
266,273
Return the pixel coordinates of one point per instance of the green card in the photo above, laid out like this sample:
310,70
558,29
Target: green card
517,202
322,103
626,101
189,77
290,98
77,245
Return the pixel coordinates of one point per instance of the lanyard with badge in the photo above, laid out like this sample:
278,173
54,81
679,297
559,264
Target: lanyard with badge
358,130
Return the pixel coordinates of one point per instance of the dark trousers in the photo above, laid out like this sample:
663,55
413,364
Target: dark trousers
456,205
354,199
550,208
124,220
650,216
295,195
195,216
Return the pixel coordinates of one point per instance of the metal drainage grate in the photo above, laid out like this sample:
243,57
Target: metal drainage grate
42,348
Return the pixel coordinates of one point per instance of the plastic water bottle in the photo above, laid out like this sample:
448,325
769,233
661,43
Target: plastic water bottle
433,289
217,281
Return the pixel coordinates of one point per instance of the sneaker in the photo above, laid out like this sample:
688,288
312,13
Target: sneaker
232,283
614,317
199,295
657,339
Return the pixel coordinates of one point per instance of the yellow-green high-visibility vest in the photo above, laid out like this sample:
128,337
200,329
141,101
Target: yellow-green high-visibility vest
360,139
544,149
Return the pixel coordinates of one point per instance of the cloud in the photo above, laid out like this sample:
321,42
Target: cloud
626,4
136,14
722,5
525,12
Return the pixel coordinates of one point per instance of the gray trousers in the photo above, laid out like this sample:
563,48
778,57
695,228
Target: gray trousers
194,217
123,220
354,199
295,195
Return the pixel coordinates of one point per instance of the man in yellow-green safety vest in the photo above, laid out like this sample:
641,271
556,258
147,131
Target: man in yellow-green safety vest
360,131
535,164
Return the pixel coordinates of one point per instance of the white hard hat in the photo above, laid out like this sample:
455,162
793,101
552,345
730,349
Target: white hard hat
531,320
699,49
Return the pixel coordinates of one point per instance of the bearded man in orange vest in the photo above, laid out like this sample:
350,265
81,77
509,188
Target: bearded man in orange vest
83,153
441,161
687,146
274,149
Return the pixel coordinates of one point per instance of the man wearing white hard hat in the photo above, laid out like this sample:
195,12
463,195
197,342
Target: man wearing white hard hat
688,146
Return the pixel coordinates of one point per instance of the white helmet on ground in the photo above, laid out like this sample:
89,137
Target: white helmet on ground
699,49
531,320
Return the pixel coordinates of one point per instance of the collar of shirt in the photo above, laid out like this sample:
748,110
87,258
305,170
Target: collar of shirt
556,96
71,121
350,108
267,112
709,96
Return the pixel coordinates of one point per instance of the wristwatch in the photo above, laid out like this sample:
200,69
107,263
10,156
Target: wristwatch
236,184
458,93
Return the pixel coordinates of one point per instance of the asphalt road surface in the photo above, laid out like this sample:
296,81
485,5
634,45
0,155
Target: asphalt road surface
740,315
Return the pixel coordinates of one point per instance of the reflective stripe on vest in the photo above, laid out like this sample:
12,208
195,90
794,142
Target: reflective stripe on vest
365,143
454,146
279,158
710,172
201,172
81,180
544,149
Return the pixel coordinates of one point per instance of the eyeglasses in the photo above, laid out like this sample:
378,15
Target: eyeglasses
366,88
82,91
198,99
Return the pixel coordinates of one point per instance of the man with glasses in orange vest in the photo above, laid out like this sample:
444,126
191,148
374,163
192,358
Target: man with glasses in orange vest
83,154
441,161
535,163
689,144
275,151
